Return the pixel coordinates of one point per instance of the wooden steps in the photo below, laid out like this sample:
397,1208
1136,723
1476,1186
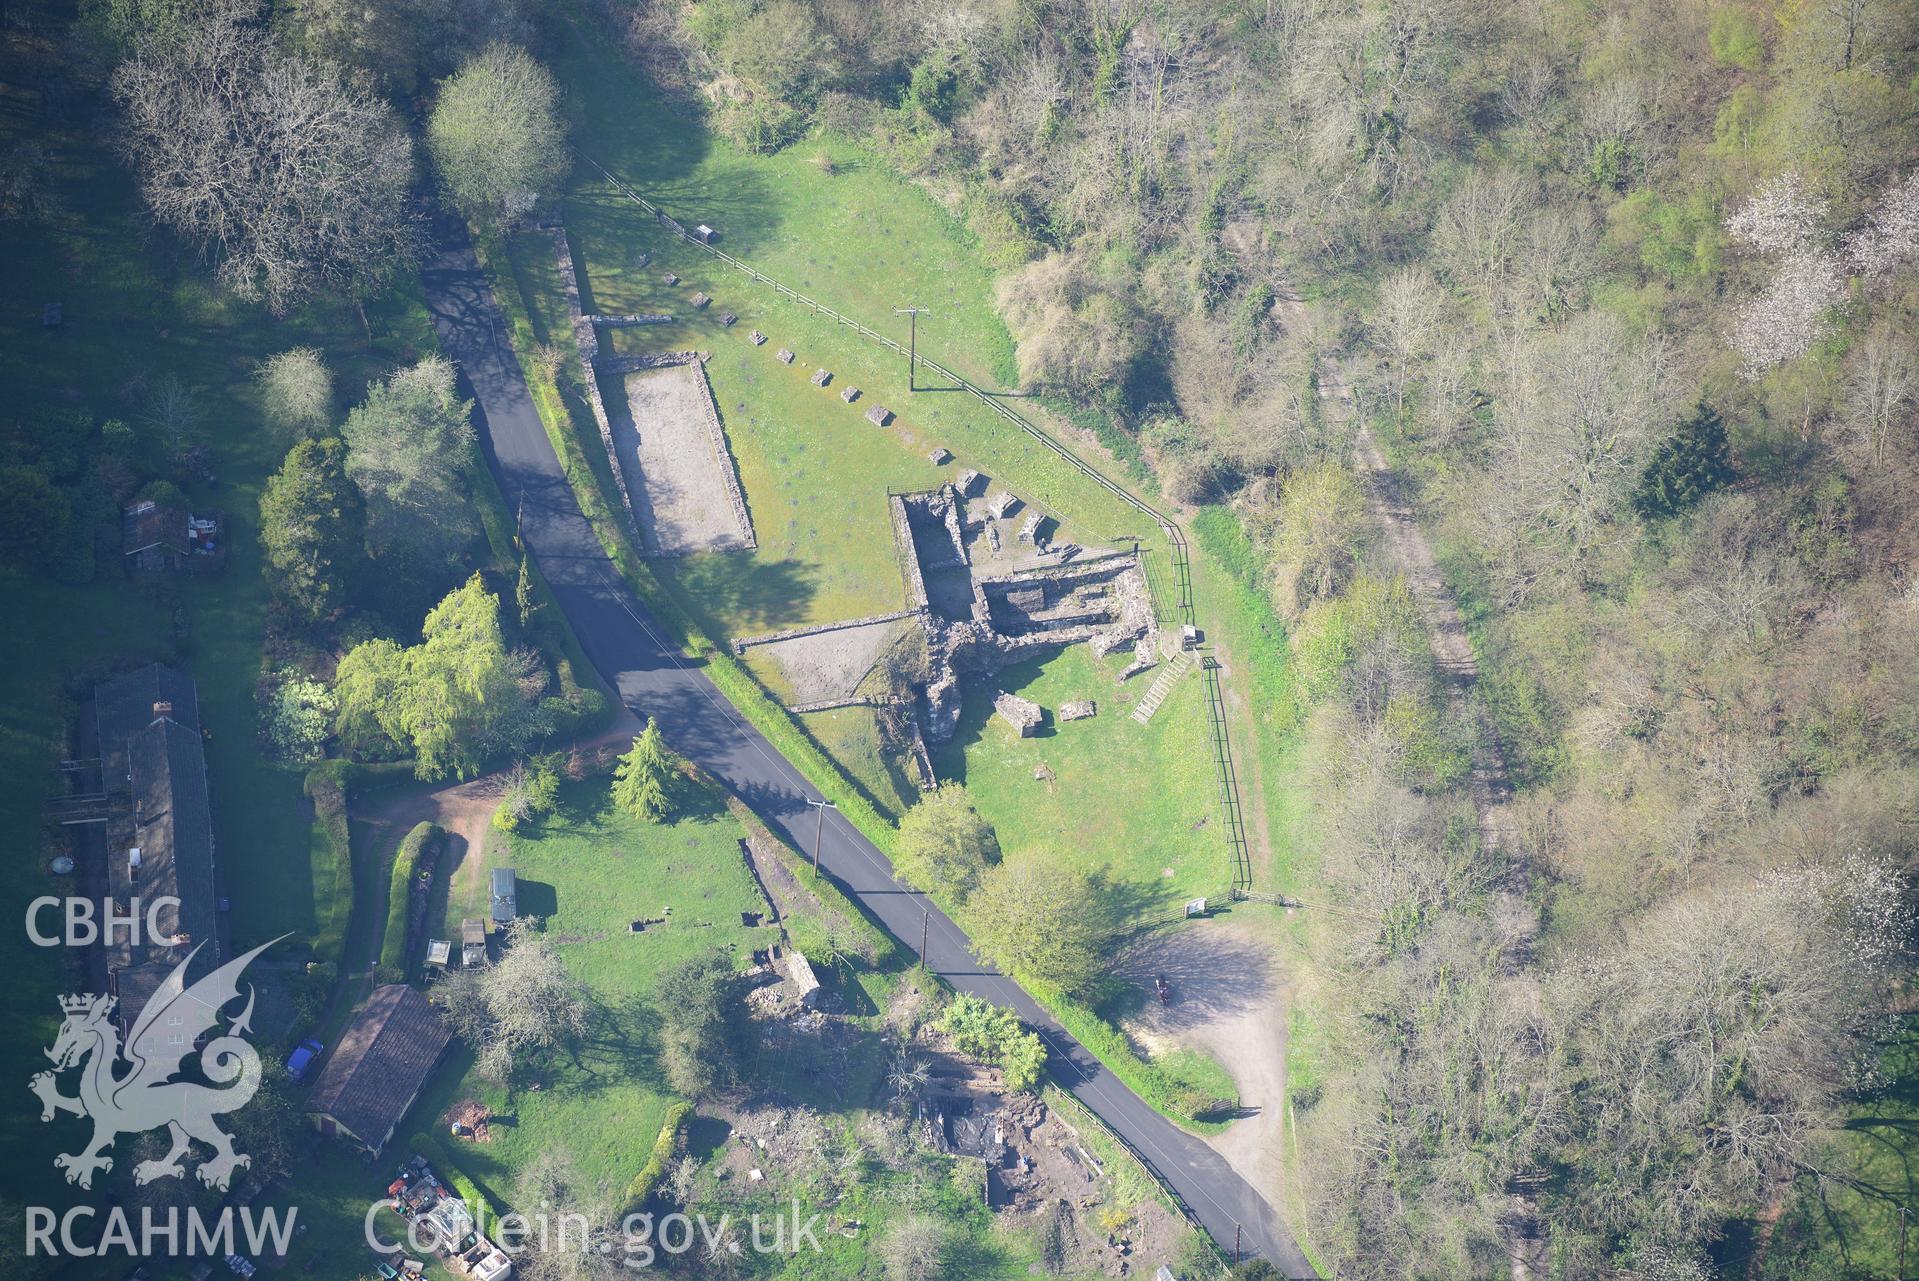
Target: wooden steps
1162,685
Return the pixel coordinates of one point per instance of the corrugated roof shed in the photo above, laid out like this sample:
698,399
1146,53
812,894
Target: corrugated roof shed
383,1058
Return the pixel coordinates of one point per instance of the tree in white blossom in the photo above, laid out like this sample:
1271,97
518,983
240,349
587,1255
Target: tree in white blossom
1793,312
1783,221
1781,218
1890,238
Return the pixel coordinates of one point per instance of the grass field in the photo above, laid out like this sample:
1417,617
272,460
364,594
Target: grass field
590,871
1133,800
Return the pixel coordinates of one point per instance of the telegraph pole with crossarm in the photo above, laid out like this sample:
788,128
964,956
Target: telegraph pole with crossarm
820,808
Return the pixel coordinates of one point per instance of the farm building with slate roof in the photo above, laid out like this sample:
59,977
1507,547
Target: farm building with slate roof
383,1059
158,833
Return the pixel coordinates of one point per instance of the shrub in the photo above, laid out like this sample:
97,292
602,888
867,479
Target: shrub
1735,39
296,717
438,1156
532,788
760,125
990,1034
331,855
643,1184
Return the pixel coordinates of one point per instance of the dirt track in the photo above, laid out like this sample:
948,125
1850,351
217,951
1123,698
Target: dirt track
1411,553
1228,999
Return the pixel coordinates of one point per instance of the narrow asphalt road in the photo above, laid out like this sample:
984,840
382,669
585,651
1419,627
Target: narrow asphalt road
654,679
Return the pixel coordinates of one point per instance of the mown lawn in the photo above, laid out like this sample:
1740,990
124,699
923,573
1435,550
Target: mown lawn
1135,801
589,871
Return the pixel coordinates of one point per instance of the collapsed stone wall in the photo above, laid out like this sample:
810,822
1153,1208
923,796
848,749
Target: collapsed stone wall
1102,601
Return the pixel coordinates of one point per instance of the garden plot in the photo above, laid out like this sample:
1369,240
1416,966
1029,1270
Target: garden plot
687,497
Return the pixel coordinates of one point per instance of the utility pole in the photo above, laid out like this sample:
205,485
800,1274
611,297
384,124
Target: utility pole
912,342
926,919
819,808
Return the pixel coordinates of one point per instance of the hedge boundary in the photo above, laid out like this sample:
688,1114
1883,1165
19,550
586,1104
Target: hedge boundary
642,1185
438,1156
427,839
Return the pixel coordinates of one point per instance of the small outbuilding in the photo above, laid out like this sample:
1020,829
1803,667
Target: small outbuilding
705,234
784,356
821,377
155,537
850,394
879,415
383,1059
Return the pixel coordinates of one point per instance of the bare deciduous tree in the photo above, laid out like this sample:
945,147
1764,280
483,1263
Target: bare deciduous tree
1407,325
523,1006
1884,391
1576,424
1717,1036
292,179
581,1240
915,1250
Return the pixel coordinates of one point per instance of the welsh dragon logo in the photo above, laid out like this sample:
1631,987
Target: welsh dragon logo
144,1096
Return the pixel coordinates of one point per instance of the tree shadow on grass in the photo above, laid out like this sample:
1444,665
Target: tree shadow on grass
739,593
1210,973
621,1043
